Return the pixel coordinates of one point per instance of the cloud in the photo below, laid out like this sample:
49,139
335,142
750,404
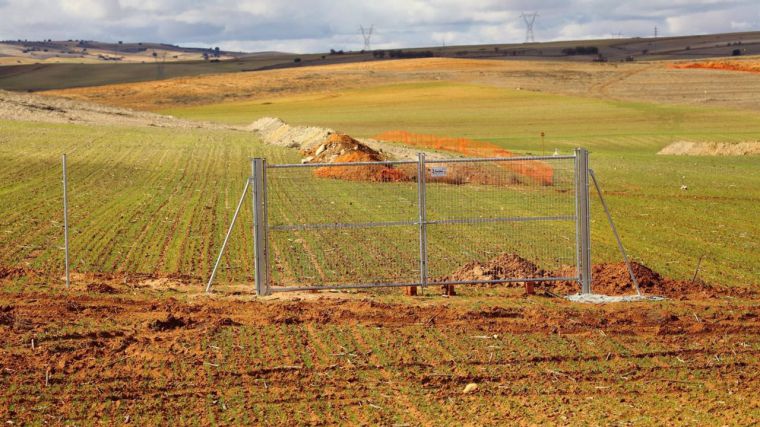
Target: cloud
318,25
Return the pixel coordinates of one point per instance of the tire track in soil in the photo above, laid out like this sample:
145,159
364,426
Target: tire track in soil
602,89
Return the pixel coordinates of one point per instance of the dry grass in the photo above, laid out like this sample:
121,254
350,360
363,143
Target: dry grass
656,81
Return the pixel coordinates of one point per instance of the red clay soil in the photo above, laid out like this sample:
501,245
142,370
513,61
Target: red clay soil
341,148
537,171
505,266
101,288
141,358
614,279
745,66
607,278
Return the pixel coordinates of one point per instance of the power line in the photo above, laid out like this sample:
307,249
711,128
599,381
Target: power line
367,36
530,20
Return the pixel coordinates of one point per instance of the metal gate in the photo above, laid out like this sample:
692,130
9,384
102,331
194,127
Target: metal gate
415,223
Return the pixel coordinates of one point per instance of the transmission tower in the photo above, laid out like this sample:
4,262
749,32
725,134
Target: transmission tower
367,36
530,20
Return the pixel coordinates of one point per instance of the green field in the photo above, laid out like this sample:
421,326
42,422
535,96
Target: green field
663,226
158,201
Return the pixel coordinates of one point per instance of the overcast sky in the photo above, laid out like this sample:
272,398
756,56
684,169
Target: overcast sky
319,25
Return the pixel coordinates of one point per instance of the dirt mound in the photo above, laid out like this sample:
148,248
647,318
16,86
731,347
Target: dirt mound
746,66
688,148
276,132
505,266
607,278
101,288
614,279
336,145
341,148
536,171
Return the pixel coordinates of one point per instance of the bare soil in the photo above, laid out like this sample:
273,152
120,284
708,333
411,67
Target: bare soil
645,81
688,148
341,148
89,358
36,108
607,278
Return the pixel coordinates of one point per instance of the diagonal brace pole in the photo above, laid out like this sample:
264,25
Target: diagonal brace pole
614,231
227,238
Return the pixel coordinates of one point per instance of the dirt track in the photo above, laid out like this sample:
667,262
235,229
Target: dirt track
24,107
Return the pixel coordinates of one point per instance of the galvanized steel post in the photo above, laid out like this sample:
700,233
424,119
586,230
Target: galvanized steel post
422,206
260,226
66,221
583,219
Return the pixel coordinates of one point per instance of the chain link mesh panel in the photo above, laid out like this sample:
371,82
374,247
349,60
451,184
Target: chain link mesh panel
342,225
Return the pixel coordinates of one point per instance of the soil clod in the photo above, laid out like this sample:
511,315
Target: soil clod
170,323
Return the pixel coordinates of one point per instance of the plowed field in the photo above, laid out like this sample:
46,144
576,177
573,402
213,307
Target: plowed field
367,359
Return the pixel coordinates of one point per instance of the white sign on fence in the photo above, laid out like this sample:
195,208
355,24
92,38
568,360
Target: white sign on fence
438,172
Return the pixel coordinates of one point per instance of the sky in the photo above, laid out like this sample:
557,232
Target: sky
320,25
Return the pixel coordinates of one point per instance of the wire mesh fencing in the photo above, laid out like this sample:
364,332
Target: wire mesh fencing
409,223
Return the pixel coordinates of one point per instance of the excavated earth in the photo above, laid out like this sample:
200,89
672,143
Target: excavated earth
607,278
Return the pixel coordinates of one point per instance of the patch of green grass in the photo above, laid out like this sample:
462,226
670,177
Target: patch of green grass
507,117
662,225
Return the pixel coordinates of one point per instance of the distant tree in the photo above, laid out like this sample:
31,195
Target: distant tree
736,52
121,42
217,52
205,56
297,60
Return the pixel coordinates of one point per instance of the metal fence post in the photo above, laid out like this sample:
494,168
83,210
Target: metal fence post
260,226
66,221
583,219
422,204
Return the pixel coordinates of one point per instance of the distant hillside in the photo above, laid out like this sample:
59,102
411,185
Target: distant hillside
61,65
13,52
